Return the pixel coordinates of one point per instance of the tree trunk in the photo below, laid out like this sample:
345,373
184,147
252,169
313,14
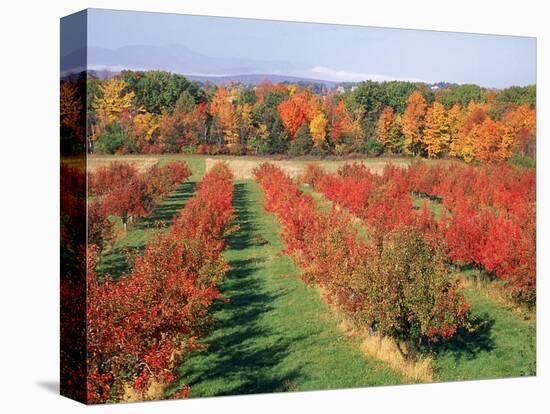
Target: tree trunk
398,346
479,277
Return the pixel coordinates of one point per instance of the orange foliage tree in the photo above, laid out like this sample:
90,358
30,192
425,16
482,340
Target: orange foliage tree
487,140
413,123
462,145
299,108
341,122
222,108
385,125
521,129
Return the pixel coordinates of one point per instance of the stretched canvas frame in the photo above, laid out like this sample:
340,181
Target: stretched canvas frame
232,225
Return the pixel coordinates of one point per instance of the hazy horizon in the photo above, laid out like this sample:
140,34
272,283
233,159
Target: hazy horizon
220,46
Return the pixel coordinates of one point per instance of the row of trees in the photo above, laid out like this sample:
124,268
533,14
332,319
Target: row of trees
396,284
488,218
155,111
469,133
141,327
125,338
119,189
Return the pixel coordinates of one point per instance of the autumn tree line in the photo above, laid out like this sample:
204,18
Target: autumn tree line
161,112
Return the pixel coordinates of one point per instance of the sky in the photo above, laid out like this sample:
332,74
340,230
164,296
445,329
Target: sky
328,52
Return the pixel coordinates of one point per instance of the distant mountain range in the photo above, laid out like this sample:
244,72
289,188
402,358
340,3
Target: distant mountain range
105,63
254,79
174,58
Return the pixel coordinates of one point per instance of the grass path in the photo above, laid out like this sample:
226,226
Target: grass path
275,333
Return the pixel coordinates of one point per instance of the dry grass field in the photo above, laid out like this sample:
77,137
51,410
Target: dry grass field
243,168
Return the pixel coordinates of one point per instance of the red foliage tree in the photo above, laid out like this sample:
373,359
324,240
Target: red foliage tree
141,327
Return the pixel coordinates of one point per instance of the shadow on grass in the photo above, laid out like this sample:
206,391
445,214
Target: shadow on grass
169,207
114,262
465,344
243,238
242,351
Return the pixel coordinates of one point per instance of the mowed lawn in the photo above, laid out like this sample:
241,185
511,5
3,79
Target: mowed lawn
276,334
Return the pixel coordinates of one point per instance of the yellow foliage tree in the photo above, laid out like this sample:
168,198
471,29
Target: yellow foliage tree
455,119
263,131
145,127
318,129
356,130
244,114
521,129
395,136
292,89
436,130
505,148
113,100
222,108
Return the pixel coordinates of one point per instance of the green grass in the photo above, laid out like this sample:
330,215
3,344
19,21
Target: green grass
275,333
503,346
113,260
434,206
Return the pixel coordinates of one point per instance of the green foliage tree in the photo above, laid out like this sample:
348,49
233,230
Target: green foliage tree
157,91
369,95
518,95
417,299
278,138
110,140
513,96
397,93
303,142
462,94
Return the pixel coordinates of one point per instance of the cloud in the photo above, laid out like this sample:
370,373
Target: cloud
324,73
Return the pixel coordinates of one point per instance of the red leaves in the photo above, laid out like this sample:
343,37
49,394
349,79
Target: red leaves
492,218
209,215
122,191
492,222
127,199
398,285
141,327
283,198
467,234
382,202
